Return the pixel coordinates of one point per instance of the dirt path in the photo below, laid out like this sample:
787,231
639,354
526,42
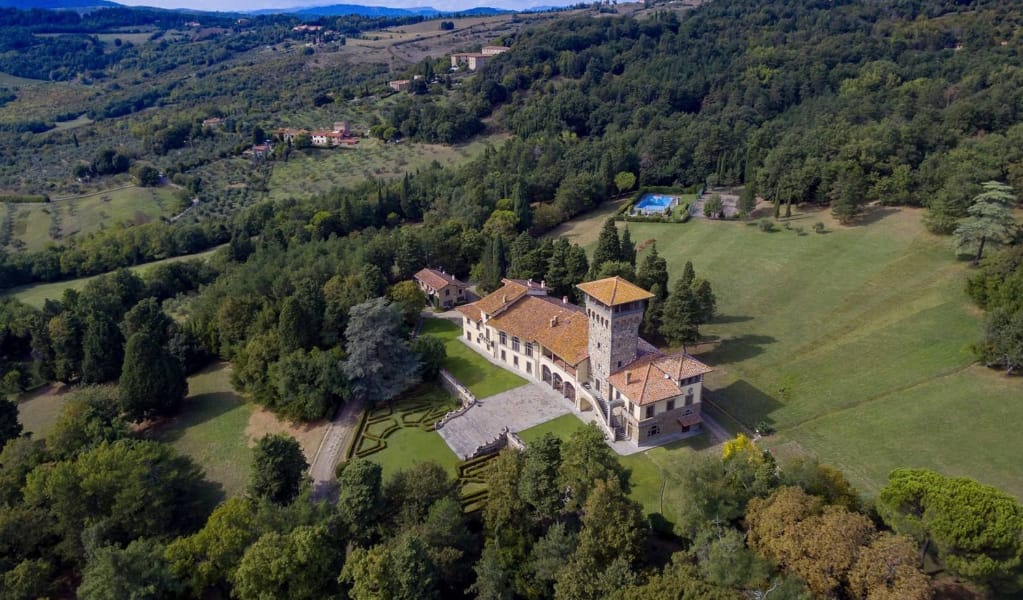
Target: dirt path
337,437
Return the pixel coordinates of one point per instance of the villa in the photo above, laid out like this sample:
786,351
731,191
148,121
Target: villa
593,355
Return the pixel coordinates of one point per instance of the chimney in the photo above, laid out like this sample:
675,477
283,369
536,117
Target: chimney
504,299
543,283
628,377
564,299
529,282
554,321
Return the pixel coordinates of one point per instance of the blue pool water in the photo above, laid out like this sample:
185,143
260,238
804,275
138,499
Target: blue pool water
655,203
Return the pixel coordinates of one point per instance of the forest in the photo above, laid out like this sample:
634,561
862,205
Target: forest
833,103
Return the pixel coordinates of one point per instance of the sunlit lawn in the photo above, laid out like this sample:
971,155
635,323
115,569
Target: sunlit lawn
478,374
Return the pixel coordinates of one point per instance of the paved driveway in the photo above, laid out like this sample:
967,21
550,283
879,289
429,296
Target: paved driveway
517,409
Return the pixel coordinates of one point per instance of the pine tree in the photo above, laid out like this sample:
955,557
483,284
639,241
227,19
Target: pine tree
608,247
989,222
653,273
380,363
681,316
628,249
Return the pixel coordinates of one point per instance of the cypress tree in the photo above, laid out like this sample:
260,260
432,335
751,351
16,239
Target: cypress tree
522,209
102,350
608,247
653,273
628,249
152,381
680,319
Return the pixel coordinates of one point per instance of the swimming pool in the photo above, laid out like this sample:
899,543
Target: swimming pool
655,203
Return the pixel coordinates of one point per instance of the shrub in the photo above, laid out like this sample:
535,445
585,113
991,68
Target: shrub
766,225
818,227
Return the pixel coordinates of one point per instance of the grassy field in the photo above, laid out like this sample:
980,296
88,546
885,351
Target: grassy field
38,409
37,294
36,225
218,428
853,344
482,377
211,429
316,171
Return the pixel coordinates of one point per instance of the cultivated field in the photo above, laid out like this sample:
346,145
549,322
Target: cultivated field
37,224
853,344
317,171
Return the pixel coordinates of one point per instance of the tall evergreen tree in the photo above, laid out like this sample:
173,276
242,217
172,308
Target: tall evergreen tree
608,247
522,208
152,381
681,317
102,349
628,248
652,318
492,266
748,198
148,318
989,222
10,427
688,275
538,482
653,273
706,300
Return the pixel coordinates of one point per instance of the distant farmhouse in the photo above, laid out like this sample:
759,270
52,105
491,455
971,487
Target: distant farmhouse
339,135
400,85
443,289
475,60
592,356
214,122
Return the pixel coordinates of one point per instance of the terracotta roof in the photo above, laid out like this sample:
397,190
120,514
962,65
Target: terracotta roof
493,303
614,291
653,377
470,310
560,327
437,279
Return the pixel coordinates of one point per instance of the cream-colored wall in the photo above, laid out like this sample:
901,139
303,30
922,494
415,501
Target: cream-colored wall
639,412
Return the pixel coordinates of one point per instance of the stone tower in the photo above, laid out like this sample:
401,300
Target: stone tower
615,311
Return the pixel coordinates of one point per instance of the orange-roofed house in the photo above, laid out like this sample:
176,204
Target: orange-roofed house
442,289
592,355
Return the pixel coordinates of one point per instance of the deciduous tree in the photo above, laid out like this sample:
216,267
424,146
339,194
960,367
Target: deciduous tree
278,469
380,363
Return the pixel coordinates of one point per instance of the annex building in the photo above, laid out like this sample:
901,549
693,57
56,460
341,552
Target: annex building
593,355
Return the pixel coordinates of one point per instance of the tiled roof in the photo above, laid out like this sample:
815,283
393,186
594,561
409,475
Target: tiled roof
437,279
560,327
505,295
653,377
614,291
471,310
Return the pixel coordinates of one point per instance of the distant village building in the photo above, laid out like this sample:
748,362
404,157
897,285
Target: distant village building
475,60
443,290
301,28
340,135
214,122
592,356
400,85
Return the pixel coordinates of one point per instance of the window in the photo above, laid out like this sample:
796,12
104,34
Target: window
504,338
619,364
649,411
468,336
447,292
654,430
515,344
515,360
689,398
503,357
529,348
529,368
618,395
671,405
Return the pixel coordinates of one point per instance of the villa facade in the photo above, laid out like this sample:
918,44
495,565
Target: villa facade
593,355
442,289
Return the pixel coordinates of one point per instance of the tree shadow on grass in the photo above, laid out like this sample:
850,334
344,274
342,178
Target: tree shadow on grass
738,348
873,214
721,319
197,410
746,402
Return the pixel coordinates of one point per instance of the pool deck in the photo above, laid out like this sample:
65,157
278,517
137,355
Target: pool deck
645,206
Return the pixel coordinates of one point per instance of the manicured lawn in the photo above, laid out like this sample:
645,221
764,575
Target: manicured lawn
404,431
562,427
410,445
211,429
475,372
37,294
853,344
